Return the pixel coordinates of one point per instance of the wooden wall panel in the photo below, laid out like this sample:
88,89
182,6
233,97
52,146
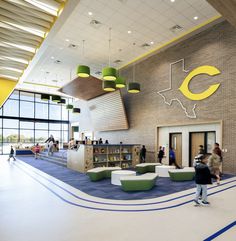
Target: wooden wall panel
107,112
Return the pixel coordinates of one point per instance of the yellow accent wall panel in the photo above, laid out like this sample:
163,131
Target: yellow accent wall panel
6,88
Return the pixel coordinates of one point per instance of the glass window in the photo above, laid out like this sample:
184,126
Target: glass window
10,123
211,139
41,111
0,111
27,125
55,126
6,147
15,95
11,108
0,122
41,125
26,96
26,109
65,136
65,127
55,112
65,113
26,136
10,135
41,136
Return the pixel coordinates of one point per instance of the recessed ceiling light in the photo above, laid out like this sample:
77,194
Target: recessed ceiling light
195,18
129,31
67,40
90,13
151,42
60,48
172,1
52,57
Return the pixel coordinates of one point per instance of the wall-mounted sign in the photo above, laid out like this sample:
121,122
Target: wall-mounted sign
186,92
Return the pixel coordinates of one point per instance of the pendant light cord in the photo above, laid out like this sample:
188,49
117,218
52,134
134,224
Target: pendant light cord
83,51
109,60
134,63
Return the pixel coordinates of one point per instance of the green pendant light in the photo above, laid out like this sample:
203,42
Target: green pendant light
109,73
45,97
133,87
62,101
120,82
83,70
69,107
109,85
76,110
56,98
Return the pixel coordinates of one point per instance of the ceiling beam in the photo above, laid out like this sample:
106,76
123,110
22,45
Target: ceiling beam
227,8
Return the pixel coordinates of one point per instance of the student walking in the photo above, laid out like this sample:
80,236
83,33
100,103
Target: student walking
11,155
214,165
143,154
172,158
36,151
160,154
202,178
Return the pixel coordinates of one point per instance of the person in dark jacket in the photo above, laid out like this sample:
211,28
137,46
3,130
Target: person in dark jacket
160,154
143,154
202,178
172,158
11,155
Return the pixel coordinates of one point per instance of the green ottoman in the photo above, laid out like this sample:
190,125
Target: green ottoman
99,173
143,182
178,175
146,167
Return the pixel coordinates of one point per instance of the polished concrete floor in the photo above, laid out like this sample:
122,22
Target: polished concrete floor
35,206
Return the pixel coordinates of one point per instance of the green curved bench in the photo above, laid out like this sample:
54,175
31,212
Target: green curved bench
143,182
146,167
99,173
178,175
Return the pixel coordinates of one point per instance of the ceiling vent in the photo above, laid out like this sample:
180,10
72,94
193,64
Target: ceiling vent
145,45
176,28
73,46
118,61
57,61
98,72
95,24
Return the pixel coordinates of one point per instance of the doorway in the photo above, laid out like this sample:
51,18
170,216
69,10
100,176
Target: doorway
176,144
207,139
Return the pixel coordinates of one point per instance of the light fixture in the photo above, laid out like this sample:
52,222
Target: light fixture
172,1
76,110
129,31
151,42
109,73
52,57
109,85
120,82
133,87
45,97
195,18
69,107
90,13
56,98
62,101
83,70
67,40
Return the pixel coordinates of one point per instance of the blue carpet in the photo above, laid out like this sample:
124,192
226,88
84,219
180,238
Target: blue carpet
104,188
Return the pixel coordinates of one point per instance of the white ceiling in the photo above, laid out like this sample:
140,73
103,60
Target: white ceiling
148,20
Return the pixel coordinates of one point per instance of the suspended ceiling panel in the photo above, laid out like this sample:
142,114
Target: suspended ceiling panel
151,23
23,26
84,88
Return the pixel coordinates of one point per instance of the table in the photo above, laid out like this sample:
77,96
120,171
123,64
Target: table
116,175
162,171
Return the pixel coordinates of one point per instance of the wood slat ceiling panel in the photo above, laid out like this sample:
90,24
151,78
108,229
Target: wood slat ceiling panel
84,88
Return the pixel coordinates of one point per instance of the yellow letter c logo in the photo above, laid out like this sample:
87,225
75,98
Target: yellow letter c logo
205,69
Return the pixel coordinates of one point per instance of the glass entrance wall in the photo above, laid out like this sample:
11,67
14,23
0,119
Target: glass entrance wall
26,119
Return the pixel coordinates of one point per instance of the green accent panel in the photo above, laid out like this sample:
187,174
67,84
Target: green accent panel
181,176
137,185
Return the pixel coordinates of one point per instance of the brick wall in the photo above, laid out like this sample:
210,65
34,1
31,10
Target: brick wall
146,110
